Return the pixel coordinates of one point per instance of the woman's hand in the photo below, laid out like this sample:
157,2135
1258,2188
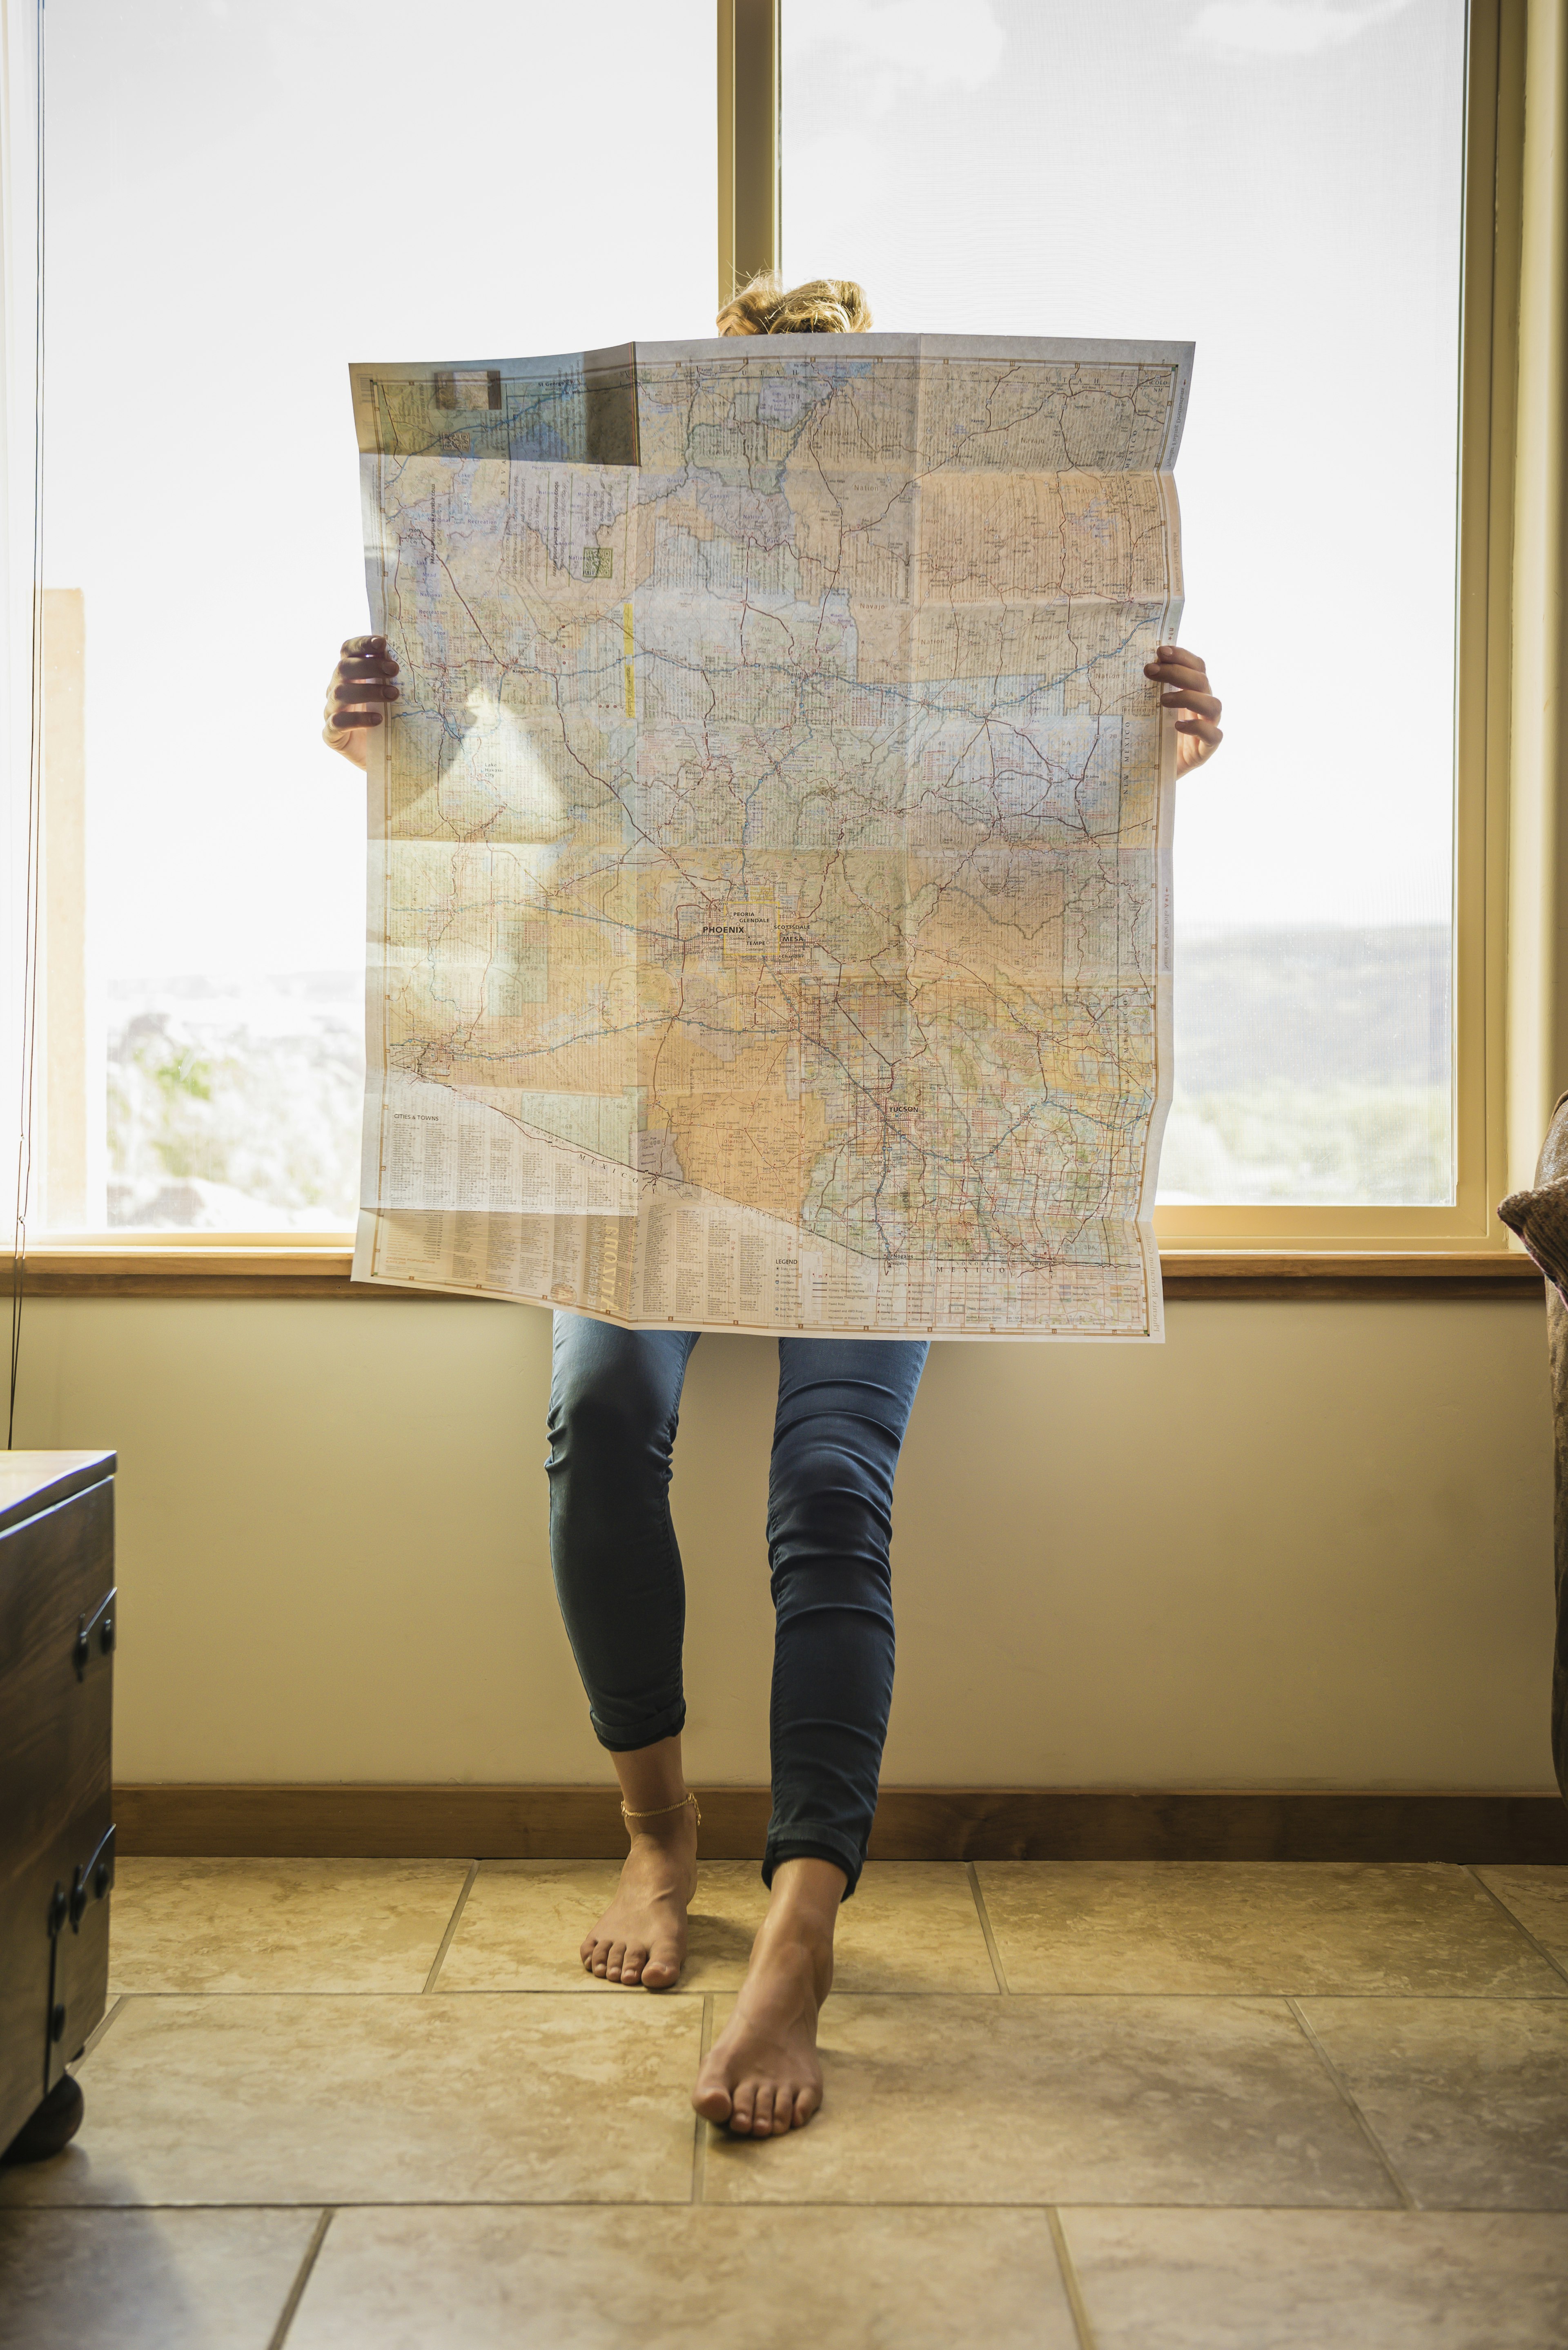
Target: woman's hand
355,692
1185,686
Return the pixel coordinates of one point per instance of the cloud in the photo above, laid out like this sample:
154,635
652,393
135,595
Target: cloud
1284,28
898,46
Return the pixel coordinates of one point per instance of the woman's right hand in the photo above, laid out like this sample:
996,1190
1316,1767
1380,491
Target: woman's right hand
357,691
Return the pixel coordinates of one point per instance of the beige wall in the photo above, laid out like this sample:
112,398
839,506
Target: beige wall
1300,1545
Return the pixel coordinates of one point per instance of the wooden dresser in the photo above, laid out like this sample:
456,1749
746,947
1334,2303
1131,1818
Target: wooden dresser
58,1631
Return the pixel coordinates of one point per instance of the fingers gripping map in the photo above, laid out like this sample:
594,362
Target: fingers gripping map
769,863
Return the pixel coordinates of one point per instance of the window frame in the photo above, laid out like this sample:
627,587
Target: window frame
1226,1250
1488,391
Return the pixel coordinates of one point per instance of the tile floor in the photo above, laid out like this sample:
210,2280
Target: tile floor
1071,2106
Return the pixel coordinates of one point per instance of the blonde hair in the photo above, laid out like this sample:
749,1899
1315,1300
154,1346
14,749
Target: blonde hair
823,306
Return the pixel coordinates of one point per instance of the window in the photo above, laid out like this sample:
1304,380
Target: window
241,199
1282,182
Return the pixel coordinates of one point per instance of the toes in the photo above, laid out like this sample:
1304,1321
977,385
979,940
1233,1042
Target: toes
660,1969
632,1965
756,2109
713,2101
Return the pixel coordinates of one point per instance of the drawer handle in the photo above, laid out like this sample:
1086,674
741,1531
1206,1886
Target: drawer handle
95,1631
90,1882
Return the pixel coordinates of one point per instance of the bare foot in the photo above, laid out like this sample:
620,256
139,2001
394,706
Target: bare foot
761,2076
641,1937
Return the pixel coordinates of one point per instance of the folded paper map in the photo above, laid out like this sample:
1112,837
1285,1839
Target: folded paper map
769,907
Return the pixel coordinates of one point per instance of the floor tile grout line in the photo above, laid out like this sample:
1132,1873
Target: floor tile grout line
1071,2284
1540,1947
614,1994
302,2278
700,2127
985,1927
1362,2124
101,2026
451,1925
573,1988
807,2203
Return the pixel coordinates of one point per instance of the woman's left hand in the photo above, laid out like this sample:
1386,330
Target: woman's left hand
1184,681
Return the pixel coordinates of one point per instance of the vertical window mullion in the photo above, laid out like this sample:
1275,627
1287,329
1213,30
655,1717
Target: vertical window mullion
749,197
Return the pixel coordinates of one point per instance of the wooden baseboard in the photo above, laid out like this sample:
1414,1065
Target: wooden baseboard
913,1823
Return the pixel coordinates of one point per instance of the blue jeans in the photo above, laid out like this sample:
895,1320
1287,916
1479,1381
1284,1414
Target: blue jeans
843,1407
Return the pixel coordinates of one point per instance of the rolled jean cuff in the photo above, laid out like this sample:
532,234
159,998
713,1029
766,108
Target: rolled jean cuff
627,1737
813,1844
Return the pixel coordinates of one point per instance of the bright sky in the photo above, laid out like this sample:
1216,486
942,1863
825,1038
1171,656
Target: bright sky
239,203
242,197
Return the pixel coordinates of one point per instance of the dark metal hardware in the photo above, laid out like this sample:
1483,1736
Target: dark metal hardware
90,1880
95,1631
56,2023
93,1881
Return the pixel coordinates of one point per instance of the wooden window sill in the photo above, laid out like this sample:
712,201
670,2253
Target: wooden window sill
194,1269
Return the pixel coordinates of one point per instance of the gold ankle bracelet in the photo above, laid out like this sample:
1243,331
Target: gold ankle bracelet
663,1811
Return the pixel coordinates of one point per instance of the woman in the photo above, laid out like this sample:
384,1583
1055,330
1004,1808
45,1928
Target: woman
843,1407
